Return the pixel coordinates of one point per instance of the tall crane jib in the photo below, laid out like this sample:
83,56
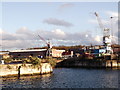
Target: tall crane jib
106,35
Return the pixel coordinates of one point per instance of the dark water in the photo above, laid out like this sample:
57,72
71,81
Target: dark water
66,78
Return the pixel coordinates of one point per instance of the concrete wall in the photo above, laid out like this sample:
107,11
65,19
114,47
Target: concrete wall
75,62
108,64
27,69
113,63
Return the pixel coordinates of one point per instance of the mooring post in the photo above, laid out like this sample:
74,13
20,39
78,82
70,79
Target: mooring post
111,64
117,64
19,72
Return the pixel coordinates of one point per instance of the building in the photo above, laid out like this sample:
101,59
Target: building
4,54
57,53
41,53
28,53
67,54
116,49
77,51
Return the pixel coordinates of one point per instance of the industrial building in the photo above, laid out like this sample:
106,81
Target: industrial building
57,53
4,54
41,53
27,53
67,54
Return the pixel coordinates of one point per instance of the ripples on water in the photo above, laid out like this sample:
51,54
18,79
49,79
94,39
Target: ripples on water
66,78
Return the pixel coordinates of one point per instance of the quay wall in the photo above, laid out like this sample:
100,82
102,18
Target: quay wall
24,69
89,63
113,63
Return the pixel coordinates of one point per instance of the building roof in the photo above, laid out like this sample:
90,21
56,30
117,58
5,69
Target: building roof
28,50
4,52
58,50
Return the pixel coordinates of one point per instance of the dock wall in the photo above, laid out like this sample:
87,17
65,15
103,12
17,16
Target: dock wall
89,63
24,69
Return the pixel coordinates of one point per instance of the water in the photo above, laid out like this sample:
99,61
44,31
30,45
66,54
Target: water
66,78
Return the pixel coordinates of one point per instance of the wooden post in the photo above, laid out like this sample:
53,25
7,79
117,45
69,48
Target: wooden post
111,63
19,72
117,64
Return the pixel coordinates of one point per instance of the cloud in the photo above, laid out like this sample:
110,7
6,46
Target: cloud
21,34
57,22
65,8
98,38
1,31
24,38
112,13
103,22
66,5
58,33
93,21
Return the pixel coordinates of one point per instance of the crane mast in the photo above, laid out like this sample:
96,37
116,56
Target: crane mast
106,35
49,47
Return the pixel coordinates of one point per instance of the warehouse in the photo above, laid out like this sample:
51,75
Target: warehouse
27,53
35,52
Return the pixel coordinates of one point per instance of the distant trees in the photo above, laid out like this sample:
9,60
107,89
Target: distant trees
60,47
68,47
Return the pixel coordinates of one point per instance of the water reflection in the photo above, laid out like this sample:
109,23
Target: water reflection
1,83
67,78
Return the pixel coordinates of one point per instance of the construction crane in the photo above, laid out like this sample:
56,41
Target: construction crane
49,47
106,35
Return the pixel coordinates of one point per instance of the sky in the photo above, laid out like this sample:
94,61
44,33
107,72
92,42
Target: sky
63,23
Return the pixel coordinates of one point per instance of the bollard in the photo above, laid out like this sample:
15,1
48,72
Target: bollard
111,64
19,72
117,64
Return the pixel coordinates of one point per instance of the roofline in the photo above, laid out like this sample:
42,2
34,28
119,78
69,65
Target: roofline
28,50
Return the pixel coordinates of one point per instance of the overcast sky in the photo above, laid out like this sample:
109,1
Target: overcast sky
64,23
